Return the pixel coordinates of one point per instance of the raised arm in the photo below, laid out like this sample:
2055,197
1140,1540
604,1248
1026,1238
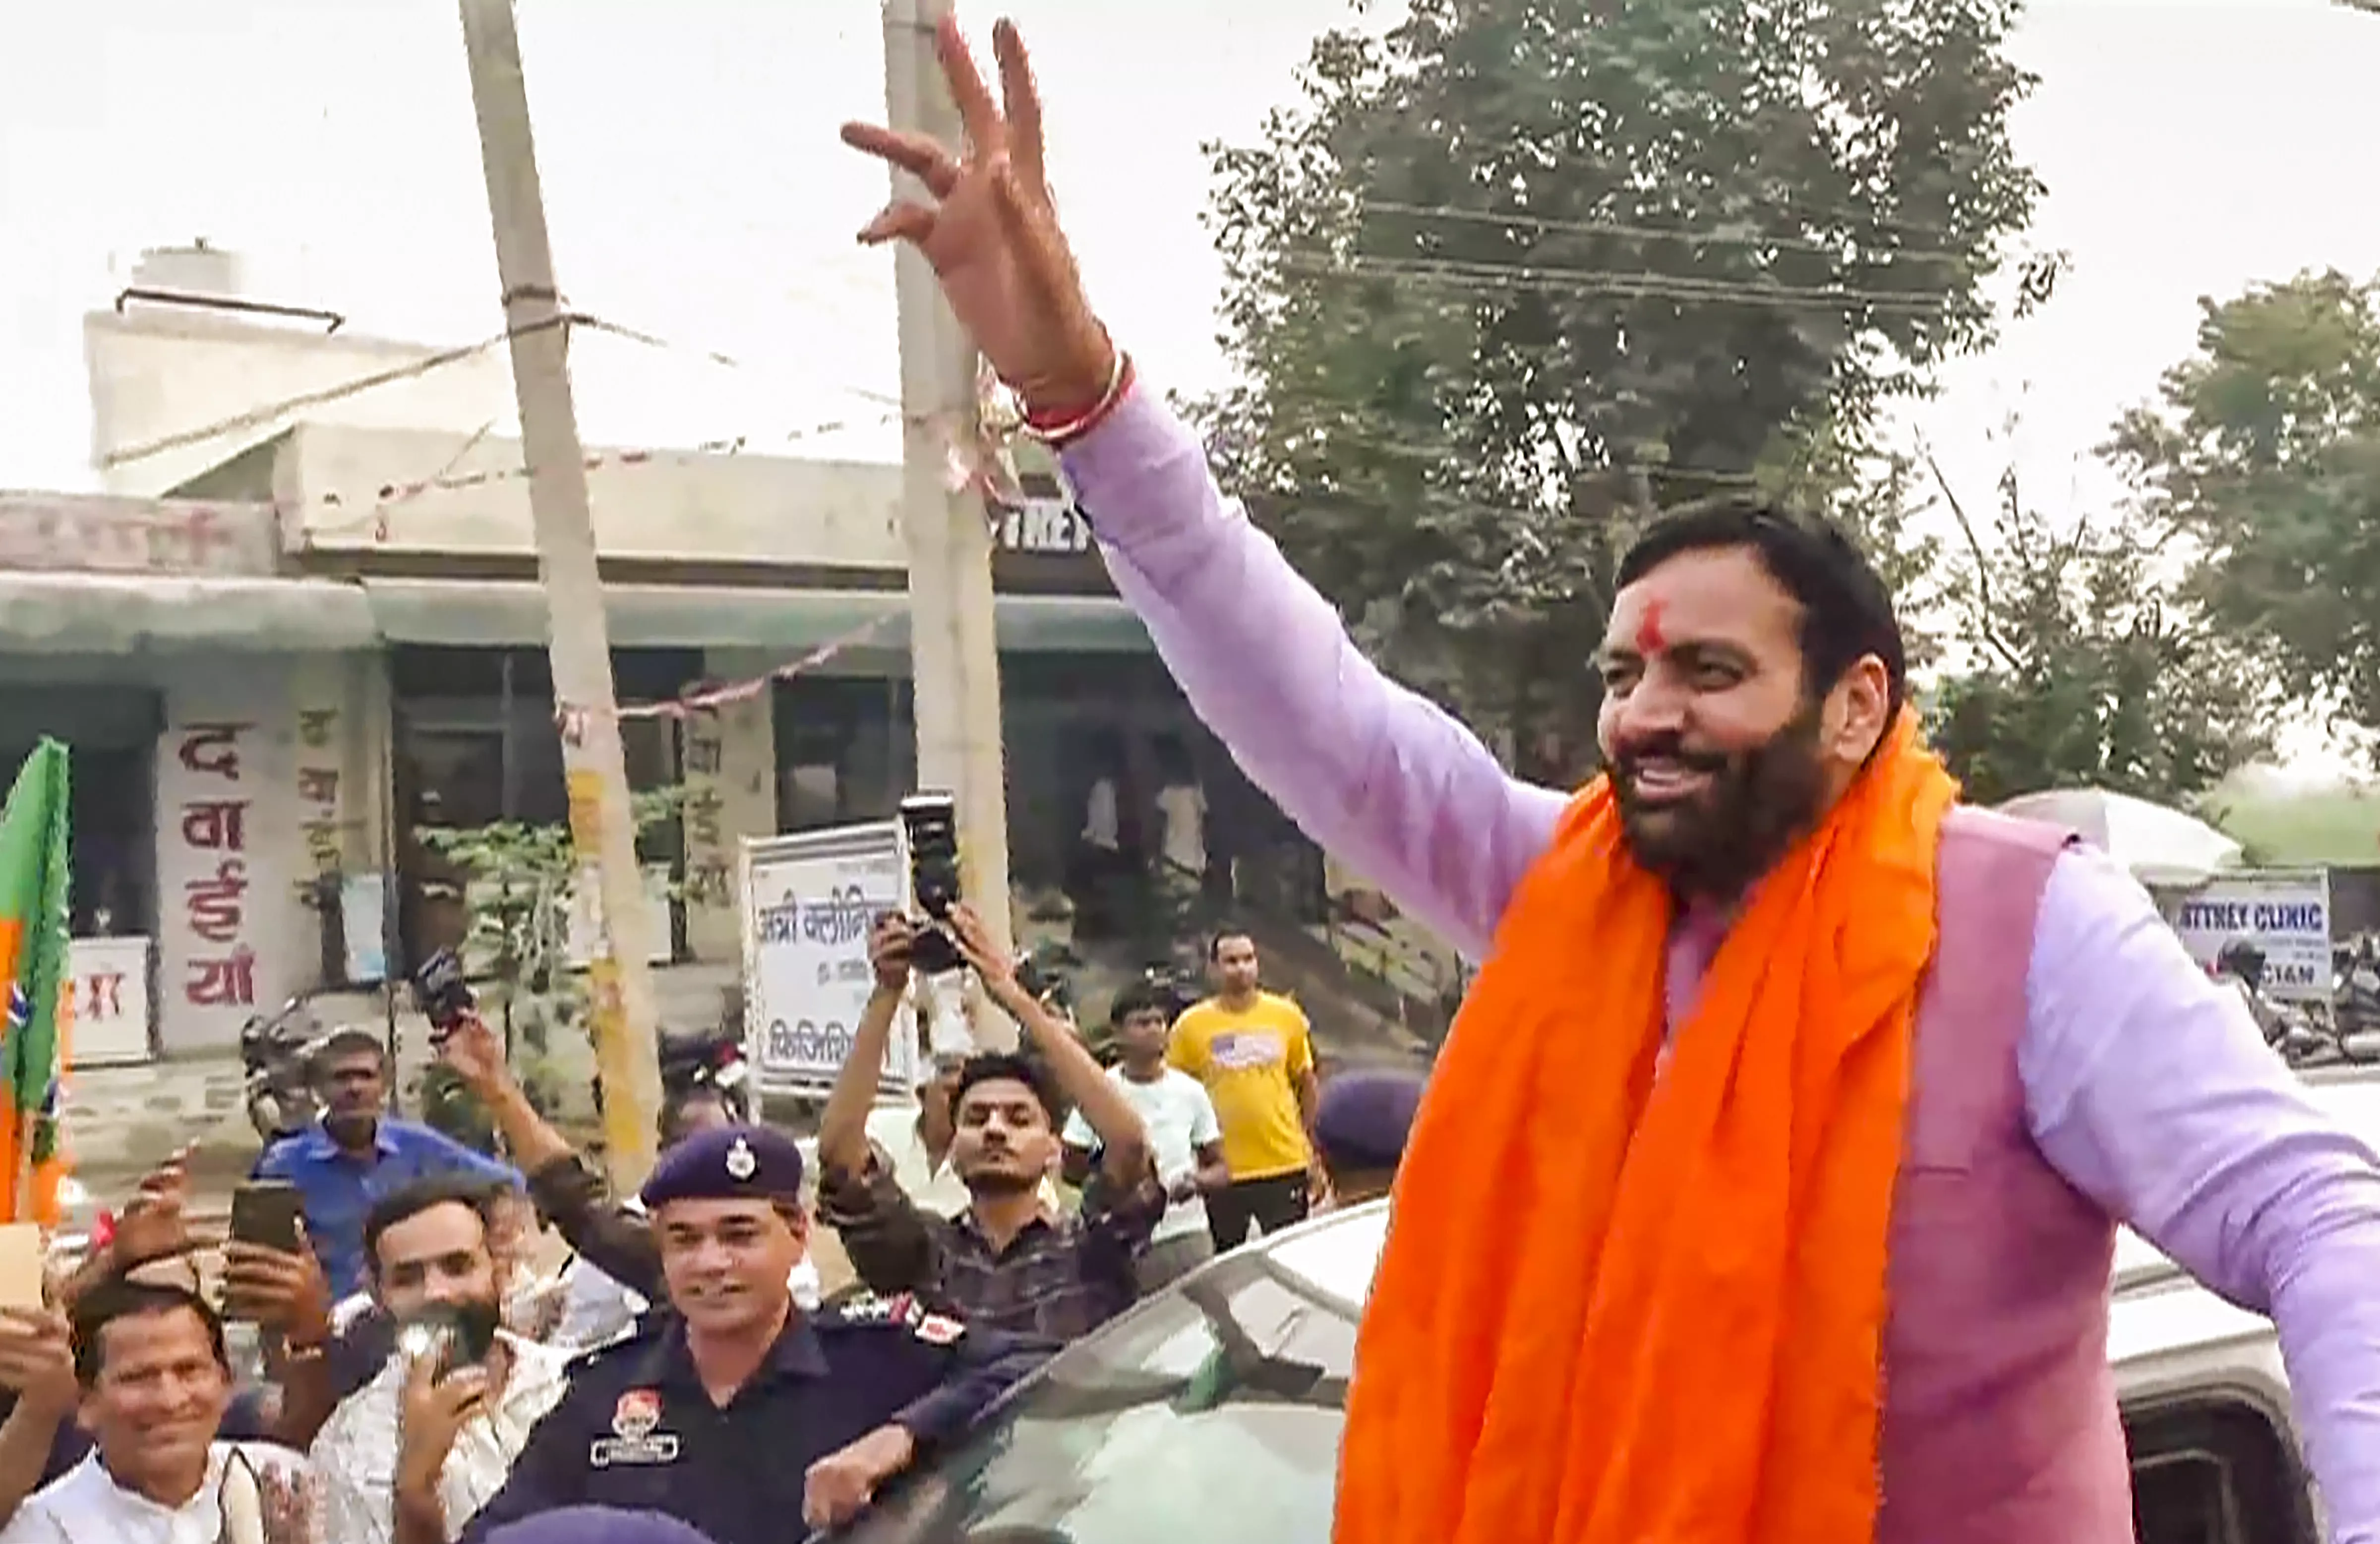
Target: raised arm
1399,790
1378,774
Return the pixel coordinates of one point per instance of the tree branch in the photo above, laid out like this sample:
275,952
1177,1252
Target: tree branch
1983,579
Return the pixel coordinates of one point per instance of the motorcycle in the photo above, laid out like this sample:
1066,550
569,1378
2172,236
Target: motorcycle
276,1066
2356,987
711,1059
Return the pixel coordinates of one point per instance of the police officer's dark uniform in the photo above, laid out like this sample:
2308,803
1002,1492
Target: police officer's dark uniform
636,1429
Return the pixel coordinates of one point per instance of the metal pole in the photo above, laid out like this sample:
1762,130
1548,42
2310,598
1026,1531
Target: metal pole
954,642
602,830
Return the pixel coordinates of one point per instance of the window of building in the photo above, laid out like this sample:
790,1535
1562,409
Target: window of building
476,743
847,748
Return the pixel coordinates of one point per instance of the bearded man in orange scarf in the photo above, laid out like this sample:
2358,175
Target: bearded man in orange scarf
1810,1099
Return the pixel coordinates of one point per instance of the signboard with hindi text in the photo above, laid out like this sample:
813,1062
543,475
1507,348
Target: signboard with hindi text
2283,912
108,979
810,901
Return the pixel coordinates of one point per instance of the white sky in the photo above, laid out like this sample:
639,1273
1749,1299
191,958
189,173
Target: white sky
696,190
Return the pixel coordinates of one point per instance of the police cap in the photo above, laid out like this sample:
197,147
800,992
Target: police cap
1364,1118
598,1524
727,1163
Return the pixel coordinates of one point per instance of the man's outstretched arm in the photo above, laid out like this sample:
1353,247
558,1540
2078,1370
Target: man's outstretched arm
1378,774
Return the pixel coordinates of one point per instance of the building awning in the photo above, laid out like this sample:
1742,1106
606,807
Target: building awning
126,614
511,614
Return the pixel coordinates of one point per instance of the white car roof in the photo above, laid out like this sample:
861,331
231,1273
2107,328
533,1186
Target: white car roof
2160,1314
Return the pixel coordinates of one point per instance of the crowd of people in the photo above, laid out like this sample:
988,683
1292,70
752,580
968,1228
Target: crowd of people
421,1379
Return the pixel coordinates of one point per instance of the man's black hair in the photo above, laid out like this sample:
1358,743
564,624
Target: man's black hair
1140,997
1846,610
348,1040
1229,930
991,1066
410,1200
123,1297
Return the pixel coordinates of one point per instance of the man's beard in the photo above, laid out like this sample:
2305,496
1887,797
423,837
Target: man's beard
999,1182
1715,844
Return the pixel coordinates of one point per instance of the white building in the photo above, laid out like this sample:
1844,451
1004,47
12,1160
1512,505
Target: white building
305,621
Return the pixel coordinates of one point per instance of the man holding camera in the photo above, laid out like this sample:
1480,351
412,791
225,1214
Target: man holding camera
416,1452
1008,1260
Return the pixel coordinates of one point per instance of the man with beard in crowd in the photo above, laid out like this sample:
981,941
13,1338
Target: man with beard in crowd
1009,1262
438,1427
358,1152
1823,1169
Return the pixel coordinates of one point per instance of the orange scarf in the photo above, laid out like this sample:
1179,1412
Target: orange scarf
1614,1310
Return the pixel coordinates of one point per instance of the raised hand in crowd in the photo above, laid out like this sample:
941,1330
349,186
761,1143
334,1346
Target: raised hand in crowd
476,1054
291,1501
888,951
434,1411
154,1224
37,1360
287,1292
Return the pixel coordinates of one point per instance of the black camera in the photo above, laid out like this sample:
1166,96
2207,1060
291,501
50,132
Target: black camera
930,824
443,994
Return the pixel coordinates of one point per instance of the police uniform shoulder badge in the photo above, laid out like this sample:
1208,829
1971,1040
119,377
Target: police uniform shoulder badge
868,1308
741,1163
936,1329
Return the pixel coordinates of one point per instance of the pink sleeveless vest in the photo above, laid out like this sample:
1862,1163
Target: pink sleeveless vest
1999,1411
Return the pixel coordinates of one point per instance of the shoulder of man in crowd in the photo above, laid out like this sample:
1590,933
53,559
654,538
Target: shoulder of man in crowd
643,1331
870,1313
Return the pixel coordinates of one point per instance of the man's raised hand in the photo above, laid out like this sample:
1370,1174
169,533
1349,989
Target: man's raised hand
990,231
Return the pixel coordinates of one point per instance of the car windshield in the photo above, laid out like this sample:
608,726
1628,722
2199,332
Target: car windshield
1240,1376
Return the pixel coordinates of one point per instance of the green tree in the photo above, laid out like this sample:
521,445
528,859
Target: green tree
520,877
2264,449
2080,660
1520,273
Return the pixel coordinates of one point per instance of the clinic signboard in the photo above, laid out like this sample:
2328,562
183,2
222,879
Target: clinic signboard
2285,913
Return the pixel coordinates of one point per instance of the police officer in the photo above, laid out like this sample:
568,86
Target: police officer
736,1412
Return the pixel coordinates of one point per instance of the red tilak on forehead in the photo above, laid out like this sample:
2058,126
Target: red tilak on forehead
1650,640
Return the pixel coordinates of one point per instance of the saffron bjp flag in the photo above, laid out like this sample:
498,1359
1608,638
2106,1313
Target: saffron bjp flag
33,888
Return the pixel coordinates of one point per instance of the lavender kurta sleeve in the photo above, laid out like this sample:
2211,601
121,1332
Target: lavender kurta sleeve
2152,1090
1376,775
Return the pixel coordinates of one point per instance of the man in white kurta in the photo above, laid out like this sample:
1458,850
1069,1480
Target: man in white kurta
156,1385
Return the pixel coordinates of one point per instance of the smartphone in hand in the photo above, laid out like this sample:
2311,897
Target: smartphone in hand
269,1213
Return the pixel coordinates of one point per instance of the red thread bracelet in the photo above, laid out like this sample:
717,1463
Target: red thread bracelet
1058,430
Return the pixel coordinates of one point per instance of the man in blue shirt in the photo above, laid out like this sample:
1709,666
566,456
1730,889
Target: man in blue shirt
357,1154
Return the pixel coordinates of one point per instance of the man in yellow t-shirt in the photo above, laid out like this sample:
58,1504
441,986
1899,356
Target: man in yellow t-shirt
1254,1053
